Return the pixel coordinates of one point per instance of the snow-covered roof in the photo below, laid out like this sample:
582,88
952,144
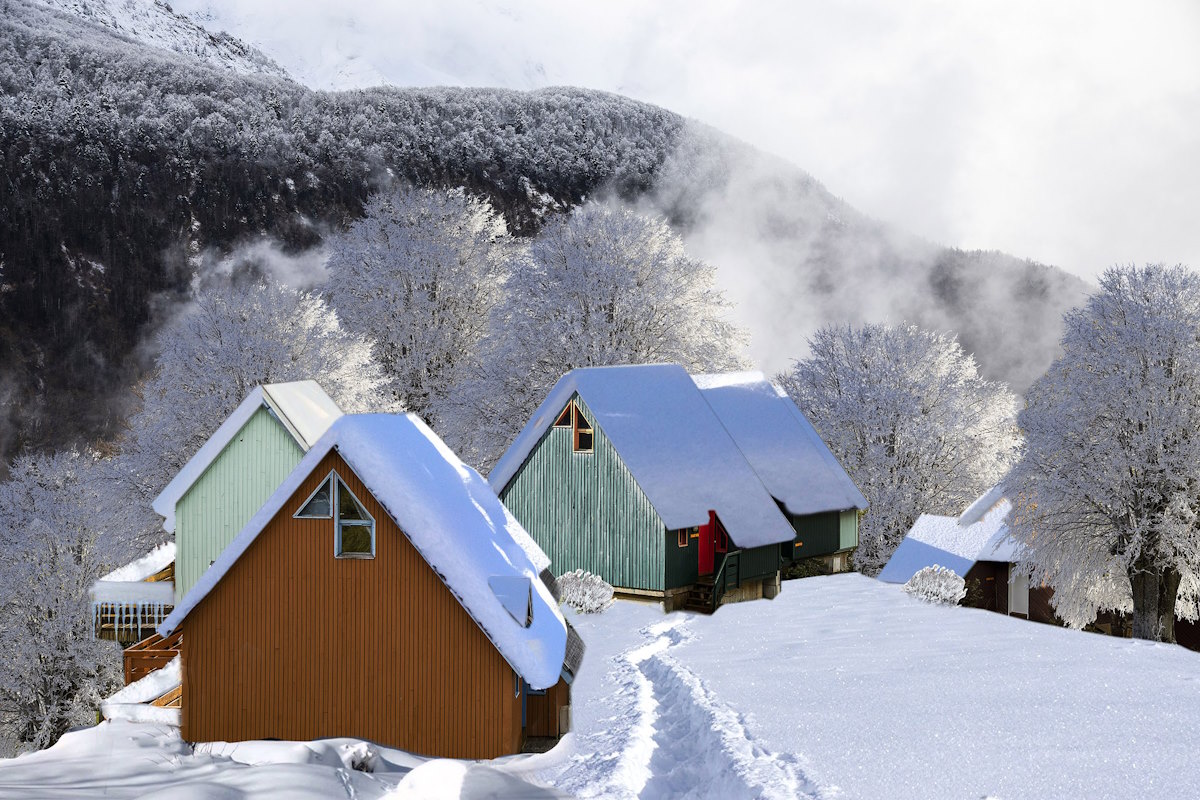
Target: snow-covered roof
451,516
155,561
132,702
155,593
302,407
673,444
785,450
979,534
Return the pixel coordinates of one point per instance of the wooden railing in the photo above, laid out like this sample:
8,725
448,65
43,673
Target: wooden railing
726,577
149,654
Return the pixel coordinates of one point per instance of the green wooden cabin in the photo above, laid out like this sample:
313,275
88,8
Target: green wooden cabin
628,473
237,469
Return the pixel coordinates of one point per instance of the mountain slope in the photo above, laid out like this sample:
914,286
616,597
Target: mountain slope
123,163
154,23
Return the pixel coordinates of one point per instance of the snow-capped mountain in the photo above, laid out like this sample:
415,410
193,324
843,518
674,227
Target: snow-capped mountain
155,23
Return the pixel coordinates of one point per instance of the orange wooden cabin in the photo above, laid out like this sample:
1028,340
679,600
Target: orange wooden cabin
382,593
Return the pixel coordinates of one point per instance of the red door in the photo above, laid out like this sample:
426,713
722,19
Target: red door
708,540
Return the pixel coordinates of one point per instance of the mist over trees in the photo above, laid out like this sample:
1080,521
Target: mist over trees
122,163
1108,489
910,419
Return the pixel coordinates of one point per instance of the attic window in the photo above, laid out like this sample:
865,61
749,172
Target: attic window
564,419
583,433
319,504
355,527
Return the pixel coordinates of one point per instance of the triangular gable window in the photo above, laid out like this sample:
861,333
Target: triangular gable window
354,528
319,504
564,419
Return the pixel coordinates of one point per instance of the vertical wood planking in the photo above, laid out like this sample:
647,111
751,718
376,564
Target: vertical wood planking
587,511
296,644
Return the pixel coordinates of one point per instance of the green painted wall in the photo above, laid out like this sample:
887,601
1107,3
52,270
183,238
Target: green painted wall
758,562
587,512
824,534
683,563
848,534
227,495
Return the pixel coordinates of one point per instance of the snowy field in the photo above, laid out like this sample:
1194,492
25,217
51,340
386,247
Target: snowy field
840,687
846,687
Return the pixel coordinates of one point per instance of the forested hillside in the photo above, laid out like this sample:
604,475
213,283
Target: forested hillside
123,163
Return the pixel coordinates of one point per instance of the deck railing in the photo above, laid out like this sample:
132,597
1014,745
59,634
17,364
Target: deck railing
726,577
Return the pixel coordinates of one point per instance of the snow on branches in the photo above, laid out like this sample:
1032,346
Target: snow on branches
419,274
910,419
1109,486
938,585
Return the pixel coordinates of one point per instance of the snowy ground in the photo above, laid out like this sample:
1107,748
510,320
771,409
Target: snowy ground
840,687
846,687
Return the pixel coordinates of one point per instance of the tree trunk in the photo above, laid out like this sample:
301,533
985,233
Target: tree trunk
1154,593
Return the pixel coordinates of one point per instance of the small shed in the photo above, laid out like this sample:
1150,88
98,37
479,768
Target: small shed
382,592
628,473
977,545
792,461
237,469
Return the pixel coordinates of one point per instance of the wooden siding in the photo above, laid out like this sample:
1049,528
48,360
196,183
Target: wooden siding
541,711
824,534
227,495
296,644
586,510
848,530
682,563
758,562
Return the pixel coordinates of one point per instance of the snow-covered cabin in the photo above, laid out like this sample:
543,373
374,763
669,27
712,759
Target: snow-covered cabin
977,545
382,592
237,469
628,472
792,461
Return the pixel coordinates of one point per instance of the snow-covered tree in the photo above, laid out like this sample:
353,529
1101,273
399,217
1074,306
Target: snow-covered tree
1109,485
602,286
910,419
419,274
52,547
227,341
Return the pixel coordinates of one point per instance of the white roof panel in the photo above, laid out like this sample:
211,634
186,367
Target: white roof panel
780,443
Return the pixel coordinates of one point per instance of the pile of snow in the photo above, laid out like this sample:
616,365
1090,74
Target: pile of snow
937,585
121,759
132,703
584,592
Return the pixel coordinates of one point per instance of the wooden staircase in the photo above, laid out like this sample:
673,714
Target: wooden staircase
700,596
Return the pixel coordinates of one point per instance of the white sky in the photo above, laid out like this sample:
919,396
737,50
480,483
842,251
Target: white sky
1062,131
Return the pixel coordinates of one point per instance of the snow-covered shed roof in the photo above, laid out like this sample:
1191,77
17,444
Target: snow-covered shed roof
453,519
672,443
980,534
138,570
303,408
791,459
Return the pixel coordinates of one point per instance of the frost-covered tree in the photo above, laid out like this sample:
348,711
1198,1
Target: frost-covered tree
1109,485
910,419
602,286
227,341
52,547
419,274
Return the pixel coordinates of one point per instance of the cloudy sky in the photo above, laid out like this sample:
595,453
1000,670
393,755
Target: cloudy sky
1066,132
